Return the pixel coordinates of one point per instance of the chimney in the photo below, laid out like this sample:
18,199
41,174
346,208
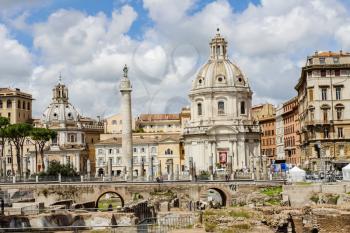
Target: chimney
316,53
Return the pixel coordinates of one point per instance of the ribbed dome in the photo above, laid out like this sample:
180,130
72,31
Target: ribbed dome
60,110
219,71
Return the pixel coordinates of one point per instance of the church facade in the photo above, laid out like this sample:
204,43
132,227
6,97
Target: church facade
221,134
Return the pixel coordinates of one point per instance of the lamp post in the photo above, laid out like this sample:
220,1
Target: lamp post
152,173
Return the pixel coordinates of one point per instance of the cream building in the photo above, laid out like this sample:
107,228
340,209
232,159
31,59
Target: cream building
76,135
113,124
221,132
163,151
16,105
159,123
324,109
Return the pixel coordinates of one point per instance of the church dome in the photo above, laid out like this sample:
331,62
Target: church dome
60,110
219,71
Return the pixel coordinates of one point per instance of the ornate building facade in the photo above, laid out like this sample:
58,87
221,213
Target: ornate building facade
220,133
324,109
76,135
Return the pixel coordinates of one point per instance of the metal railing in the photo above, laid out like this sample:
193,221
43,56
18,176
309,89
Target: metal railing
151,225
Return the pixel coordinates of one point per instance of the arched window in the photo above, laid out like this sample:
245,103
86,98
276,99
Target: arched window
19,104
339,108
242,107
199,109
0,103
168,152
23,105
114,122
221,108
9,104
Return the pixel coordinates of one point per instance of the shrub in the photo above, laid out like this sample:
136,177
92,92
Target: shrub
272,191
239,213
315,198
209,227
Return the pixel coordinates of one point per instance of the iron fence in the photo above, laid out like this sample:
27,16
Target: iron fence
152,225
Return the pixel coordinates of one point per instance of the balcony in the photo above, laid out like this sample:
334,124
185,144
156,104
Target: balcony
317,122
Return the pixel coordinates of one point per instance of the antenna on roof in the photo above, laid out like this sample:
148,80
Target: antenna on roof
60,78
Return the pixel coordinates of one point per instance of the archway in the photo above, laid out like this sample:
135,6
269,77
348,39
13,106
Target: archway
215,197
109,201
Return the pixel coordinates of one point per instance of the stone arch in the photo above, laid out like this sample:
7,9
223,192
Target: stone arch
99,197
224,194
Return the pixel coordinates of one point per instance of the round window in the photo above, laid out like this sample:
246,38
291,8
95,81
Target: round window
55,114
240,79
220,79
69,114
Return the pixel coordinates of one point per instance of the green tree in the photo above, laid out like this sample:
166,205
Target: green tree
4,122
17,134
56,168
40,137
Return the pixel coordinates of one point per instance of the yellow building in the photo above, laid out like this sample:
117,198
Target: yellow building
113,124
16,105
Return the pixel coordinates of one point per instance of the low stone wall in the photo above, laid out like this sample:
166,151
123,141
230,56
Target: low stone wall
65,218
300,194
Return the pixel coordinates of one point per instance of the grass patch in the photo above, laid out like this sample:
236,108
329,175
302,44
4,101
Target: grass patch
314,198
239,213
209,227
333,199
303,183
273,202
272,191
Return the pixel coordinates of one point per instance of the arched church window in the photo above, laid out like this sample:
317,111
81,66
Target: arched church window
199,109
242,107
221,107
200,81
168,152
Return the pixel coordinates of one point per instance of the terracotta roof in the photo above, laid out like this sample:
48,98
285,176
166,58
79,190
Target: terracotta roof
157,117
142,139
330,54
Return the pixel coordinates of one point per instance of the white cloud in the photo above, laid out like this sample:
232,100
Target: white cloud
268,41
15,61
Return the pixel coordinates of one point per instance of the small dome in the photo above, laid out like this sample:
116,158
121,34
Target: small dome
61,112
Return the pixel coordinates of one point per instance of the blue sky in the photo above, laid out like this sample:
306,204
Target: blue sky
164,42
92,7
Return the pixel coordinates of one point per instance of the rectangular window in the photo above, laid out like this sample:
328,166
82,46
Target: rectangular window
325,115
322,60
311,94
336,60
325,133
338,93
242,107
324,93
323,73
135,149
337,72
340,133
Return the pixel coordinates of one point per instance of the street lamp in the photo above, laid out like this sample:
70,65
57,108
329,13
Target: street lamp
152,158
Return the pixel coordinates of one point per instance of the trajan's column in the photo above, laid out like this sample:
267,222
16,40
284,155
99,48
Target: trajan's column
125,90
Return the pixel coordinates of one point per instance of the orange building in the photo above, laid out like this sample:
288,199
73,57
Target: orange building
265,114
291,131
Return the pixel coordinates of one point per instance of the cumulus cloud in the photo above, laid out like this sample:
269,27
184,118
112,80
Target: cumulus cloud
269,41
15,61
